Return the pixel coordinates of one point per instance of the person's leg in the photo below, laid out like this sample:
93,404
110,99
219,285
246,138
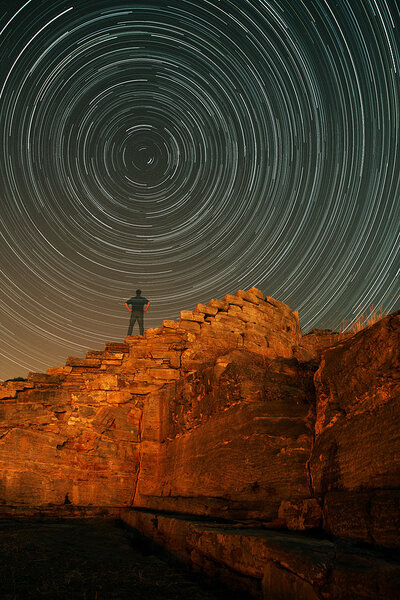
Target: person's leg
140,321
131,323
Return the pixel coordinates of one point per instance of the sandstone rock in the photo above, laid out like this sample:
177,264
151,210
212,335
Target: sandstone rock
95,354
300,515
165,374
116,347
188,315
289,566
120,397
235,300
105,363
9,389
208,420
151,333
302,355
205,309
142,388
236,311
59,370
357,445
191,326
281,584
257,293
215,416
254,297
219,304
104,382
82,362
318,340
168,324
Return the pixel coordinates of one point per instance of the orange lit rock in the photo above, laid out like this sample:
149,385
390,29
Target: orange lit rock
224,447
215,415
222,415
355,463
180,379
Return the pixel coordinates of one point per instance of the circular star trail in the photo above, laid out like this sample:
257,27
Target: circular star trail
193,148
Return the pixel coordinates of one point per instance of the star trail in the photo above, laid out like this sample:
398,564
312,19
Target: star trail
193,148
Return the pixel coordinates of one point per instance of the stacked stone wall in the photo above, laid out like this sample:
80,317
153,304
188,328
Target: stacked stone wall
74,434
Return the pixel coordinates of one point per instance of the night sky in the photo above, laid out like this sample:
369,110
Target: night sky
193,148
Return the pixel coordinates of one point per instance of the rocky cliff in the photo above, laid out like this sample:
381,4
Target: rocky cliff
227,413
177,417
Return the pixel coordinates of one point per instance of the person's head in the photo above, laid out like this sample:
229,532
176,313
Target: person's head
138,292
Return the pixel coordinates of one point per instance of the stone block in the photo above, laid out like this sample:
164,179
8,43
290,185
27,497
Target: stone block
107,355
59,370
164,374
97,397
220,305
190,326
135,340
290,566
237,313
106,362
104,382
254,313
356,453
138,364
10,389
262,350
142,388
229,337
117,347
250,297
87,363
119,397
168,324
230,299
188,315
229,323
256,292
281,306
255,337
258,329
206,309
151,333
95,354
170,357
44,379
175,338
161,350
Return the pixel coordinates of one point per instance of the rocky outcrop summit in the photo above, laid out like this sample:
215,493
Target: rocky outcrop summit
228,414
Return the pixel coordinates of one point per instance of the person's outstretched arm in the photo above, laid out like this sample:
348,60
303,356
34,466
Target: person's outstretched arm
148,304
127,306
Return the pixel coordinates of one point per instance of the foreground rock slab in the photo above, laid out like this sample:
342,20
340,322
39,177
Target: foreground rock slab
274,565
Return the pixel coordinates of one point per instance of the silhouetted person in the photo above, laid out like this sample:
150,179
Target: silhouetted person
137,304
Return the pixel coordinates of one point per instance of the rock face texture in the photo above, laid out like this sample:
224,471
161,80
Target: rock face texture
228,413
230,440
274,564
355,462
182,410
69,437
